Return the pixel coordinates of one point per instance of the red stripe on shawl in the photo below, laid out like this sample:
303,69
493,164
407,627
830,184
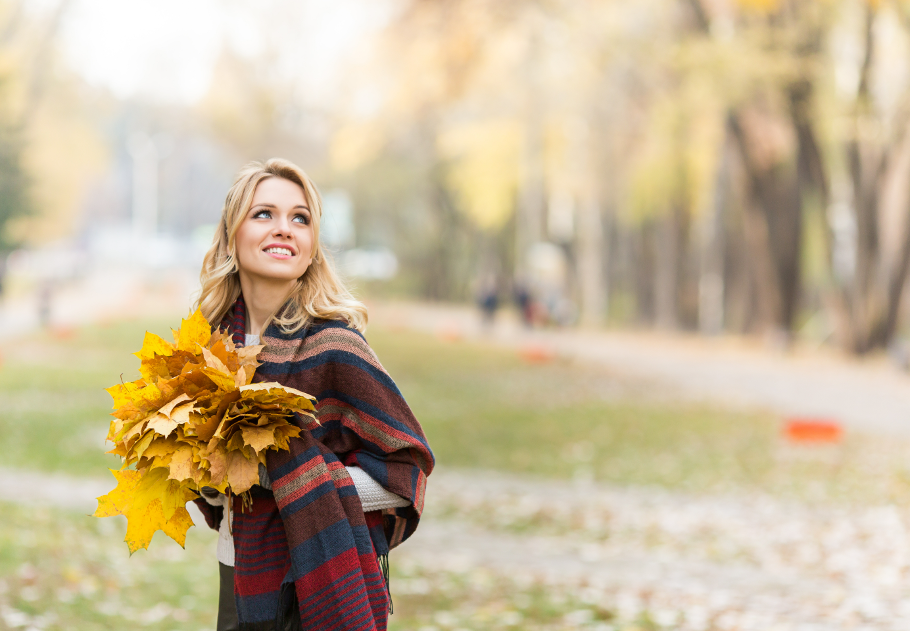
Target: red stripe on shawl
264,555
317,606
350,596
262,582
258,525
302,469
322,478
298,471
383,428
350,600
329,572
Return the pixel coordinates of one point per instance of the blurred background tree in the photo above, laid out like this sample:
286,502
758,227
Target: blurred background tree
709,165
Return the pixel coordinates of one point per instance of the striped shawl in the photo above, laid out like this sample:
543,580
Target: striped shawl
312,530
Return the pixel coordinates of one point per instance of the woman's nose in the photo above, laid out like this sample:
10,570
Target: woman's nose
282,227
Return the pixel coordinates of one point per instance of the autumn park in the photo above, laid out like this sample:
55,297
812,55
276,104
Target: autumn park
635,272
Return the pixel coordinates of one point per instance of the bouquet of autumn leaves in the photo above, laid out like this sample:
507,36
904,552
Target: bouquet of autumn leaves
194,419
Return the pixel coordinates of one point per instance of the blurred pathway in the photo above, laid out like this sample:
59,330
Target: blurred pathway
58,490
868,395
724,562
104,296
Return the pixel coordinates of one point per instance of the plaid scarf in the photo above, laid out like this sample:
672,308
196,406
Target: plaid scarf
310,531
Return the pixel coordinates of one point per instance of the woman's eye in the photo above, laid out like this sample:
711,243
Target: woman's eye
302,219
262,214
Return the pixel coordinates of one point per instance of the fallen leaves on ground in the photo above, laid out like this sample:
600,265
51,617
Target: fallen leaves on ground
194,419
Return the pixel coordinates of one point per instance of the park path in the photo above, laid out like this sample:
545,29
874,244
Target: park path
733,562
869,395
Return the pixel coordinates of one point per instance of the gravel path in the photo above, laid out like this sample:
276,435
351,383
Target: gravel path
61,491
704,562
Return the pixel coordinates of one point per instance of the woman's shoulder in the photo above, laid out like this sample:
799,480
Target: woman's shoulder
335,327
337,336
337,333
319,341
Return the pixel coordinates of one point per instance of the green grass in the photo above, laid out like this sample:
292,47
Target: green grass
60,570
55,412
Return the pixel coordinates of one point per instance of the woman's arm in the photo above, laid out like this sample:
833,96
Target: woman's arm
372,495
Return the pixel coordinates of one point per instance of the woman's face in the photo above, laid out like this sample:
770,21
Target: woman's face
275,239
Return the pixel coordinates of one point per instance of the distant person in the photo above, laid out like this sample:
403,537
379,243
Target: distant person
488,299
311,551
524,303
45,303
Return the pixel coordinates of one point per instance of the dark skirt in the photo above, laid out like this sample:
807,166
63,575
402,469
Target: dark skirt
227,607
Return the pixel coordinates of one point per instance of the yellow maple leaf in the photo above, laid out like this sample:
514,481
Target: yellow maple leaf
150,503
194,331
242,473
154,345
259,438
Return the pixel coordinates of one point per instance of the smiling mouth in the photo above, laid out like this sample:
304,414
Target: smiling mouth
282,251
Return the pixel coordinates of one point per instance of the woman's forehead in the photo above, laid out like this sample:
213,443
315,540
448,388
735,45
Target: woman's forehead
274,189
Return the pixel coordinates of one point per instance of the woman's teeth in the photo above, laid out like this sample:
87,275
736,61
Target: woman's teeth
284,251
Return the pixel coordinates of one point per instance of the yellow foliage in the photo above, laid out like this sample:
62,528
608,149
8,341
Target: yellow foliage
676,162
760,6
64,155
484,168
355,145
194,419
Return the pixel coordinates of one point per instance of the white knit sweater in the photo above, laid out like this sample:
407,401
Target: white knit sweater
372,496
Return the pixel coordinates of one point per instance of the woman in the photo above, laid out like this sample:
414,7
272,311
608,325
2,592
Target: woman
308,553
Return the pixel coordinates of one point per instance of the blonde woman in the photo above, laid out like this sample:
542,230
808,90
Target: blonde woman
311,551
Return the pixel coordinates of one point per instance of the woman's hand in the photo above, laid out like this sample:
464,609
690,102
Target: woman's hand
212,496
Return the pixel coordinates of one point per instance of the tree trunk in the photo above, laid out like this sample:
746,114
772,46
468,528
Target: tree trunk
757,231
667,271
711,269
590,257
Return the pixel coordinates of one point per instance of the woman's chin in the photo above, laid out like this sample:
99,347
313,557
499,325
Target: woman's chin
272,277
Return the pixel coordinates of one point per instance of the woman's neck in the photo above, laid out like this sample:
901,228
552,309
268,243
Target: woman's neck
262,299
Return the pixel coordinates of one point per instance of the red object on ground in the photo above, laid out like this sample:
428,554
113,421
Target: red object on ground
811,430
535,354
450,334
63,332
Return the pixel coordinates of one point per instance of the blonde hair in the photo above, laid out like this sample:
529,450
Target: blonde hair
318,294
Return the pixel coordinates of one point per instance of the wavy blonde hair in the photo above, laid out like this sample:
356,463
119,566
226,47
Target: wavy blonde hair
318,294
